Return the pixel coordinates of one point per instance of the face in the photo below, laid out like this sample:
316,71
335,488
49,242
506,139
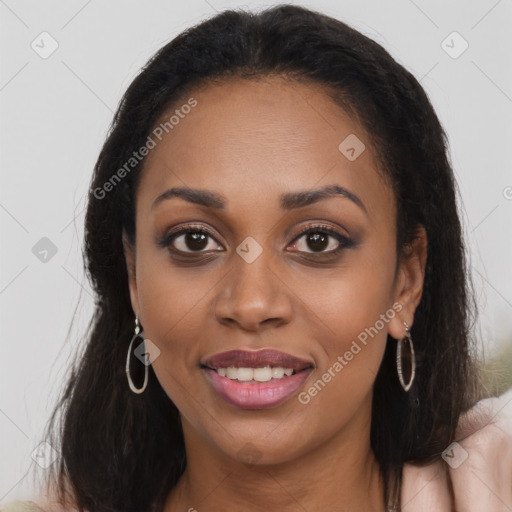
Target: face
263,264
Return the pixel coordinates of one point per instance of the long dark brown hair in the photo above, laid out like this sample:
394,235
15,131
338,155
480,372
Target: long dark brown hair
124,452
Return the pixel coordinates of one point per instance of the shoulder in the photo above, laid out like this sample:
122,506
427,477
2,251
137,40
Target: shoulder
32,506
20,506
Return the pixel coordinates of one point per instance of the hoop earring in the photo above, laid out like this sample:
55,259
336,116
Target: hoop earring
137,334
403,354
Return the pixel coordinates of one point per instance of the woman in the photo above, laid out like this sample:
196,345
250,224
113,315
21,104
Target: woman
274,214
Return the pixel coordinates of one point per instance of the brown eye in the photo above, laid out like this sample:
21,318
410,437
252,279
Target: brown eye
190,240
195,241
317,242
321,239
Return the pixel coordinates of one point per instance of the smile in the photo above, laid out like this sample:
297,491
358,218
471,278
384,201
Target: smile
256,380
263,374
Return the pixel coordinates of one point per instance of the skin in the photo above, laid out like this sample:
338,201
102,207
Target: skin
252,141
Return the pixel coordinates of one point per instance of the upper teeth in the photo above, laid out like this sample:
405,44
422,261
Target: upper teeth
259,374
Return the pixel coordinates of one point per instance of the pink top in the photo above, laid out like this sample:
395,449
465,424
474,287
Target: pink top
20,506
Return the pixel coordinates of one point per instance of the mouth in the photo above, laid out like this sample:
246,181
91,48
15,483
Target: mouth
256,380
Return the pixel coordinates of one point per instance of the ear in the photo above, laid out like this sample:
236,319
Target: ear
409,283
129,254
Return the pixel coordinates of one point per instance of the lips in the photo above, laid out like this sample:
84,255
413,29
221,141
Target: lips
258,359
264,395
253,394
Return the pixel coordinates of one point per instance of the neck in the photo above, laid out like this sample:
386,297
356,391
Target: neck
340,474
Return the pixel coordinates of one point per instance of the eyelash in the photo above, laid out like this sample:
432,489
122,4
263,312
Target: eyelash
344,242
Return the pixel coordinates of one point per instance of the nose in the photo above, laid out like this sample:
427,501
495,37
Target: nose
253,296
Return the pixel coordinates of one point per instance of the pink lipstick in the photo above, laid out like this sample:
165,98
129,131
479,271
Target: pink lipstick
256,379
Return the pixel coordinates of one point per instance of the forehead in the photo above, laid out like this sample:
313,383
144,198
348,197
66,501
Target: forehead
248,138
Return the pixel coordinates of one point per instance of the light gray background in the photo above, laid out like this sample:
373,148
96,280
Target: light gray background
55,113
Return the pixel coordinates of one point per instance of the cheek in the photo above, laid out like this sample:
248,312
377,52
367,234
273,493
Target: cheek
352,310
169,295
353,304
353,346
173,305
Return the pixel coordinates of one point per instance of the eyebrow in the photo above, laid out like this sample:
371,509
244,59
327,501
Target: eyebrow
288,201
